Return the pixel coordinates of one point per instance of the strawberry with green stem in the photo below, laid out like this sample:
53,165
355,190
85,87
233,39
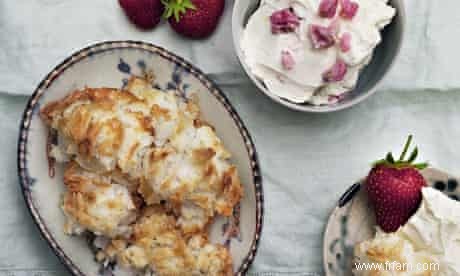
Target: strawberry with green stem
145,14
194,18
394,188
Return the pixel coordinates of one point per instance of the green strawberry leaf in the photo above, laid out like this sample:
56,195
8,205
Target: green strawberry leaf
406,147
389,160
413,155
176,8
188,5
421,166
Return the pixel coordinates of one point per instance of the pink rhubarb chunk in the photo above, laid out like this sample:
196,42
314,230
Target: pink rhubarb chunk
287,60
349,9
328,8
321,37
345,42
284,21
336,73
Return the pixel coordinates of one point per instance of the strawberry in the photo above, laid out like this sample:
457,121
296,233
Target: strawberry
194,18
145,14
394,188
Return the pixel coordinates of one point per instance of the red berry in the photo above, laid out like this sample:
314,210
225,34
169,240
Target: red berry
198,22
395,194
145,14
394,189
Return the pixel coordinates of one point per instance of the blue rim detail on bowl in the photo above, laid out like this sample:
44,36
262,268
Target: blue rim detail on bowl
23,173
349,194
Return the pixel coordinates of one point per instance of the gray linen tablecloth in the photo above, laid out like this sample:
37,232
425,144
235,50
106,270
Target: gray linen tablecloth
307,160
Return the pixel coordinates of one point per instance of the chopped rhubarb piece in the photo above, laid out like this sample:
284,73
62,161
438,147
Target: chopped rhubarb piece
284,21
287,60
336,73
321,37
349,9
328,8
336,98
332,99
345,42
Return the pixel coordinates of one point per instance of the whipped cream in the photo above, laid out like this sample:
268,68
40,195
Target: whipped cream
355,36
432,235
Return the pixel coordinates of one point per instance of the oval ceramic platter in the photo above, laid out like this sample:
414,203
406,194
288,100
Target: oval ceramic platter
111,64
353,221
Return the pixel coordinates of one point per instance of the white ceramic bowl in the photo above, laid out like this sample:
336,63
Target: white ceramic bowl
372,75
110,64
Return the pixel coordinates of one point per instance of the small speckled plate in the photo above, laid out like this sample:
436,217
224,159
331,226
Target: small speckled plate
352,221
111,64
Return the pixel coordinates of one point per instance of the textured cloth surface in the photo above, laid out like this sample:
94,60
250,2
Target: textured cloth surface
307,160
35,35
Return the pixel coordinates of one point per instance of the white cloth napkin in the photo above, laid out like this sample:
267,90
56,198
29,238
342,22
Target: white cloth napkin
35,35
429,59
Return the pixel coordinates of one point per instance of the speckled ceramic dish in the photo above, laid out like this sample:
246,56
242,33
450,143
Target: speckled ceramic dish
353,221
372,75
110,64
